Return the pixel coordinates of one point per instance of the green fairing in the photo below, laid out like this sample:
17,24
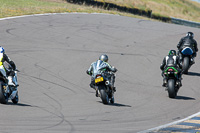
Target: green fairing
172,68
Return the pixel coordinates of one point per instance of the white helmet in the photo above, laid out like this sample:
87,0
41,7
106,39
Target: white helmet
104,57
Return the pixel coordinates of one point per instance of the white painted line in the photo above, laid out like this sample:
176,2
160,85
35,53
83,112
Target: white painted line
167,125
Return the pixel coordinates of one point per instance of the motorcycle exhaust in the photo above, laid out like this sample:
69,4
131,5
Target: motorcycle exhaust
107,83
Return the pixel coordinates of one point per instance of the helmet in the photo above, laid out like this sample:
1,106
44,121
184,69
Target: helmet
103,57
2,50
172,52
190,34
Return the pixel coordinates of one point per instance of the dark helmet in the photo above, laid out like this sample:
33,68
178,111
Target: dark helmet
172,52
190,34
2,50
104,57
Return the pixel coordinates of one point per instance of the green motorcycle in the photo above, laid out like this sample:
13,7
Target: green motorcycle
172,82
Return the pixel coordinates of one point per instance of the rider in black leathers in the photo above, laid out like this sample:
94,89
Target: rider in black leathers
103,61
188,39
171,60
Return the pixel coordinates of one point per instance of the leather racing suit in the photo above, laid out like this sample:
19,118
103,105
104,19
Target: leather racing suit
187,41
168,61
98,66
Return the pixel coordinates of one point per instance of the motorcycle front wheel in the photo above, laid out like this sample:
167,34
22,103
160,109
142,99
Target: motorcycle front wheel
16,99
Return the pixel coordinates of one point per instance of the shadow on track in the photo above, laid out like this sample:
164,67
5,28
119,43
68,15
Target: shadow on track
19,104
184,98
116,104
193,74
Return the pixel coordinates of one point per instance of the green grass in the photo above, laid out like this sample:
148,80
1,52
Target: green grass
9,8
184,9
20,7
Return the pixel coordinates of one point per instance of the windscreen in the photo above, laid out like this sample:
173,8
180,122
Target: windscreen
99,67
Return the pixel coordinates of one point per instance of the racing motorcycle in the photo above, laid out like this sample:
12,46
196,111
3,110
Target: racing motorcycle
172,82
102,85
186,59
8,91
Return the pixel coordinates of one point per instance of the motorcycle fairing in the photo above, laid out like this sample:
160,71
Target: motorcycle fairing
99,67
173,69
187,51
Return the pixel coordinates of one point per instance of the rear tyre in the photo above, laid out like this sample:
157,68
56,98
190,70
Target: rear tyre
3,95
104,95
186,64
171,88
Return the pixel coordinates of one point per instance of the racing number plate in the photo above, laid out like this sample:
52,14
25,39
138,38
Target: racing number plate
100,79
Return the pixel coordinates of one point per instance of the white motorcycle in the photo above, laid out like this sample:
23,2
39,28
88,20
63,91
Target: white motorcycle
8,90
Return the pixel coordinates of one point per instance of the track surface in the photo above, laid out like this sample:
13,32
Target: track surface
54,51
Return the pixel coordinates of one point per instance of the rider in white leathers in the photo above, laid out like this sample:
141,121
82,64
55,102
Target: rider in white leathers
101,63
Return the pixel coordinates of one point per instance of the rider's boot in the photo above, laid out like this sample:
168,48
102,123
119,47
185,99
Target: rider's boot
112,87
92,85
97,93
179,83
164,82
192,61
179,80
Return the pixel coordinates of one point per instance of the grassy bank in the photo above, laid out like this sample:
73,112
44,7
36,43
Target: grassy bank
184,9
9,8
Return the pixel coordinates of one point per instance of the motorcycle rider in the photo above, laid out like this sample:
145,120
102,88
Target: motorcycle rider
7,73
188,39
171,60
103,61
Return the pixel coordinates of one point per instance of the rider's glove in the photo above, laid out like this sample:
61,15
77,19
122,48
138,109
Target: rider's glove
89,73
114,69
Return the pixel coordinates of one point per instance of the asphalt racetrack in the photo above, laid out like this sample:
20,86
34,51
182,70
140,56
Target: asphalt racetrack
53,53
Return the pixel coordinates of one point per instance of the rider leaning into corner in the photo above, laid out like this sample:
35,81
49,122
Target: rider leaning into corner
6,72
188,39
102,61
171,60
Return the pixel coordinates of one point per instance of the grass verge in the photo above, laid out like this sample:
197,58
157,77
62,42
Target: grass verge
9,8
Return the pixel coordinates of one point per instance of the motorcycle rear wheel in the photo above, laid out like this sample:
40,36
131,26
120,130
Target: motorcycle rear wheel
186,64
104,95
171,88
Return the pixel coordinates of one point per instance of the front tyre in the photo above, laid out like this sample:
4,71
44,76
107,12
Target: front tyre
171,88
186,64
104,95
3,95
16,99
